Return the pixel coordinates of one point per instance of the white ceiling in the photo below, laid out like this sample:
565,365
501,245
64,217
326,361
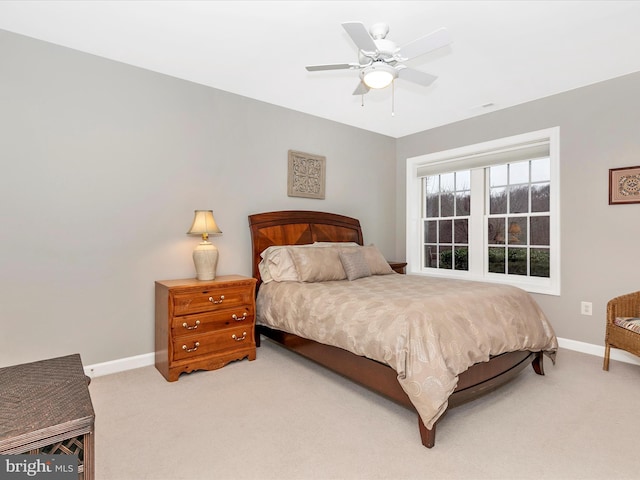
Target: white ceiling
503,53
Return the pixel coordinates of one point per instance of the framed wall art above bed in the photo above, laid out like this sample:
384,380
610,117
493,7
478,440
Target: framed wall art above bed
306,175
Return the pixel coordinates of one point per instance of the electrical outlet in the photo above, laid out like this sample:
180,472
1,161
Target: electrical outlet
586,308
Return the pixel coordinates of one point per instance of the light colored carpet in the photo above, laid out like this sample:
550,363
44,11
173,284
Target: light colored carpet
283,417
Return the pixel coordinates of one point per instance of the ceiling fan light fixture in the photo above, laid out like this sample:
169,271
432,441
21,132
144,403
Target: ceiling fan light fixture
378,75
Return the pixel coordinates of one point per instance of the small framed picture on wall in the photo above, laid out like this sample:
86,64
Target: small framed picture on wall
624,185
306,175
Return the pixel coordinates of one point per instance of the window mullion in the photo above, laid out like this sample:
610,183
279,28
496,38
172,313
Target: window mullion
477,222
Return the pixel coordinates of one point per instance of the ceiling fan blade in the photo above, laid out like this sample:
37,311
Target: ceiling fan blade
334,66
360,36
361,89
416,76
434,40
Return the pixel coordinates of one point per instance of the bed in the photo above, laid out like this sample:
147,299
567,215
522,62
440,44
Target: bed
383,346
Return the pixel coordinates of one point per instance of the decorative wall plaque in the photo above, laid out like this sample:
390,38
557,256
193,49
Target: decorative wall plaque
306,175
624,185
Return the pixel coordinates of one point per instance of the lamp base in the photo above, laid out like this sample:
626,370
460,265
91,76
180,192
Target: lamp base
205,258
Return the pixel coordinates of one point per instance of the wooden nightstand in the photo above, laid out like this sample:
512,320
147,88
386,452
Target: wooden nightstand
203,325
398,267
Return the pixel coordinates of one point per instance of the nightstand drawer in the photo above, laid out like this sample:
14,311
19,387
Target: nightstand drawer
222,340
208,322
211,299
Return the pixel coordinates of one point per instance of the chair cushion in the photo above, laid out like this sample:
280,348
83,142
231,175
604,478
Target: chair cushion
630,323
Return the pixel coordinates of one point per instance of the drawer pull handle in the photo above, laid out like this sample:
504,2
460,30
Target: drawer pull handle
186,325
239,339
195,347
239,319
216,302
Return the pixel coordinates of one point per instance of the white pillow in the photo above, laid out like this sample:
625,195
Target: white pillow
265,275
277,265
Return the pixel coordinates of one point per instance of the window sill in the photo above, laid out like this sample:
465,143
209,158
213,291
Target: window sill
542,287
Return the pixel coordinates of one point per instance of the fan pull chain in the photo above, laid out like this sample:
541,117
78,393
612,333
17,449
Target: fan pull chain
393,98
362,100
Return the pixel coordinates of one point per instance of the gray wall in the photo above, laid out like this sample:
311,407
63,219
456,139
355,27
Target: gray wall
599,129
102,167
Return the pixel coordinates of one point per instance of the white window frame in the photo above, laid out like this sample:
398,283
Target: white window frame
471,156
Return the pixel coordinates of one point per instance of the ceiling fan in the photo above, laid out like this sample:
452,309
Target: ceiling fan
380,60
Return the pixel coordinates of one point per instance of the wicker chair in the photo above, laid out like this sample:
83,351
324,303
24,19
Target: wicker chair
623,325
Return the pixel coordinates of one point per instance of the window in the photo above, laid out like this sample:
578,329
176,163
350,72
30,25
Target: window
446,223
488,212
518,222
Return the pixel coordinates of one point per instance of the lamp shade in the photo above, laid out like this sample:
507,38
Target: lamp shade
514,232
204,223
205,255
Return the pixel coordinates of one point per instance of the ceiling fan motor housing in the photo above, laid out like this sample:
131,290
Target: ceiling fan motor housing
386,49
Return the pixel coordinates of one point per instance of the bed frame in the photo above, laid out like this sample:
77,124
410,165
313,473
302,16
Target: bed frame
297,227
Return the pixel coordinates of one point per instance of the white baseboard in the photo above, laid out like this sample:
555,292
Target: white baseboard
597,350
120,365
147,359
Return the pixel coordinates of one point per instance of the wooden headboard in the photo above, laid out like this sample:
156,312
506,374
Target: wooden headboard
299,227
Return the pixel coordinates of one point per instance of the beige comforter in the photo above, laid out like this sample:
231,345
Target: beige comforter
429,330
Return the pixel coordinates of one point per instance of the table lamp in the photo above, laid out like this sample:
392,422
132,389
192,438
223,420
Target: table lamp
205,255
